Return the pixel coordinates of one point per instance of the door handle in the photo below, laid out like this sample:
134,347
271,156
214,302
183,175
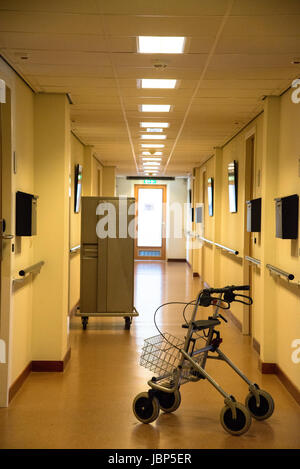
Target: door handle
7,236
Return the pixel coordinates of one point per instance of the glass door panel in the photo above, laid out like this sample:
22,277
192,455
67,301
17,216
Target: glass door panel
150,211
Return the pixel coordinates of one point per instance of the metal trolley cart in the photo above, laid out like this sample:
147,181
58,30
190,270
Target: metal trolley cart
177,361
106,263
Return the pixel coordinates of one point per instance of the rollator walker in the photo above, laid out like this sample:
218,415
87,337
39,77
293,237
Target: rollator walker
176,361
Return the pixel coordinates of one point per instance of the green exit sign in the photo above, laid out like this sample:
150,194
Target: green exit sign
149,181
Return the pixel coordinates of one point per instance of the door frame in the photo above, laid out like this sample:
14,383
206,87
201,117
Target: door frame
249,178
6,283
164,201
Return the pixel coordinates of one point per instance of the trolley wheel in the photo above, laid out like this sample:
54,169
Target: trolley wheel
169,401
84,321
240,424
265,408
145,408
128,322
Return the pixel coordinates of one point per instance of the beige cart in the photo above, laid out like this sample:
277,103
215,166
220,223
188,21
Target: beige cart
107,264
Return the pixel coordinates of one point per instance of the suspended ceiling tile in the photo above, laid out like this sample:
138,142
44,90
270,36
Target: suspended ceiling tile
217,93
69,81
193,61
54,57
267,7
259,44
70,72
61,6
66,42
267,25
228,83
166,7
150,72
50,23
119,25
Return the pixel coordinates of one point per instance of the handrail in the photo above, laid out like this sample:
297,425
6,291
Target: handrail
206,240
24,273
75,249
31,269
225,248
280,272
253,260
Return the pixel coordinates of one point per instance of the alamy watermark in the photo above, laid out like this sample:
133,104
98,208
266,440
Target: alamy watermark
296,93
123,223
2,351
296,353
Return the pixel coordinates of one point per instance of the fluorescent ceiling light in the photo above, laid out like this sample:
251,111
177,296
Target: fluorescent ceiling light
161,44
152,145
157,83
151,164
156,153
163,125
151,159
153,137
155,107
154,129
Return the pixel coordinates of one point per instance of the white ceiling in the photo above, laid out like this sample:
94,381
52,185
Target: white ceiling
237,51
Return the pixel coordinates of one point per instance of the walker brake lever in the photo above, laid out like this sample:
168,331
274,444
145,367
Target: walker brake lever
222,317
249,301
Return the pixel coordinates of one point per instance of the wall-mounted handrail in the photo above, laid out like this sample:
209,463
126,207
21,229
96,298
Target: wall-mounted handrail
31,269
206,240
225,248
75,249
24,273
253,260
278,271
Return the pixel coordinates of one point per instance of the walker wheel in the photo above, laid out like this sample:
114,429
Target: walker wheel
169,401
84,321
145,408
238,425
265,408
128,321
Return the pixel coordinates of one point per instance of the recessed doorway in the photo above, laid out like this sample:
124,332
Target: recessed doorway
150,241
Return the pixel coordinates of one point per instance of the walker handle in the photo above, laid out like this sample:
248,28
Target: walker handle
236,288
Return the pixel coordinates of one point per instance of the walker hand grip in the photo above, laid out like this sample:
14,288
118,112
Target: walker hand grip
237,287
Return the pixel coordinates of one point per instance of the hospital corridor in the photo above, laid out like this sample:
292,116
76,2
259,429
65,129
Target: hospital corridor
149,225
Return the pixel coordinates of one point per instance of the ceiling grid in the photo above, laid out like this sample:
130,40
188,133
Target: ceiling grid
236,52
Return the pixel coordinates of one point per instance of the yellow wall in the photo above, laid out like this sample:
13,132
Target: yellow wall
109,181
286,255
24,247
97,175
275,318
22,113
52,170
77,157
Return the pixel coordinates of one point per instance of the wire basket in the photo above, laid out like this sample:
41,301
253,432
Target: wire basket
160,354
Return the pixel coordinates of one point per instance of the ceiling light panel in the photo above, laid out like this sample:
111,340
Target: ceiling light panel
156,153
154,129
152,145
155,107
161,44
157,83
153,137
163,125
151,159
